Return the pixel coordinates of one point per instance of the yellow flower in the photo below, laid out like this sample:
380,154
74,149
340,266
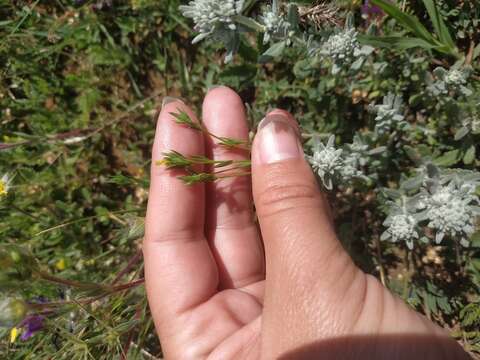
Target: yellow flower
4,185
60,265
13,335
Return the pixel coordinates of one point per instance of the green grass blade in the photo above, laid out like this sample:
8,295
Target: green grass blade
398,42
439,24
406,20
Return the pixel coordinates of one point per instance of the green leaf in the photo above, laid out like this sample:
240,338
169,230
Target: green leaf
469,156
476,52
412,183
438,24
408,21
247,52
415,99
475,240
399,42
393,194
461,133
413,154
292,16
248,5
444,305
248,23
272,52
448,159
239,76
431,302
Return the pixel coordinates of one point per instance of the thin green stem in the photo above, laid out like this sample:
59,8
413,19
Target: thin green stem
72,283
84,219
229,169
112,290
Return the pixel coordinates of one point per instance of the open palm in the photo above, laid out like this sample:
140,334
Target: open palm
215,293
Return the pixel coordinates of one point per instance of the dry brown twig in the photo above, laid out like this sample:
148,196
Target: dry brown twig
320,14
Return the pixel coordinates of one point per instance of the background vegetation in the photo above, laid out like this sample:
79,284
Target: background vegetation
80,83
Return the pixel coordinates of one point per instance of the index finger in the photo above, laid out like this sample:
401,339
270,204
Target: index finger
179,268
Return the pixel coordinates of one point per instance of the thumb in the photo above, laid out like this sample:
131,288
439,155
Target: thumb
293,212
304,259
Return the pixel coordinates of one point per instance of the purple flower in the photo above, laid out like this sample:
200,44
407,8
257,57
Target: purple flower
32,324
370,11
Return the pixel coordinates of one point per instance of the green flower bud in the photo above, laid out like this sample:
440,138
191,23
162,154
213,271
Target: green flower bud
12,311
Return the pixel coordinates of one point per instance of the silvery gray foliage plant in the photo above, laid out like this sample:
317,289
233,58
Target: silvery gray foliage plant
351,166
343,165
218,19
363,149
389,114
211,16
445,202
401,223
449,83
276,25
356,157
451,207
326,161
344,51
471,120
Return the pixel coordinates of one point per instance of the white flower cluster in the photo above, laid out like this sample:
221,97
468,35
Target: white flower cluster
211,16
341,48
326,161
455,77
344,50
389,114
449,82
339,165
401,227
445,202
451,210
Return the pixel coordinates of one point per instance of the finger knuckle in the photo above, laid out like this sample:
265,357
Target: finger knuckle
287,195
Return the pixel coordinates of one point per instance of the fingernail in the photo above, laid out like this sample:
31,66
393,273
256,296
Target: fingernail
276,140
169,99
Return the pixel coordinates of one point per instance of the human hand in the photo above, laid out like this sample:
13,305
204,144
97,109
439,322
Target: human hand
220,288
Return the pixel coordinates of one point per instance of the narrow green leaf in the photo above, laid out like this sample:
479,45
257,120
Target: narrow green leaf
439,24
249,23
293,17
408,21
398,42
